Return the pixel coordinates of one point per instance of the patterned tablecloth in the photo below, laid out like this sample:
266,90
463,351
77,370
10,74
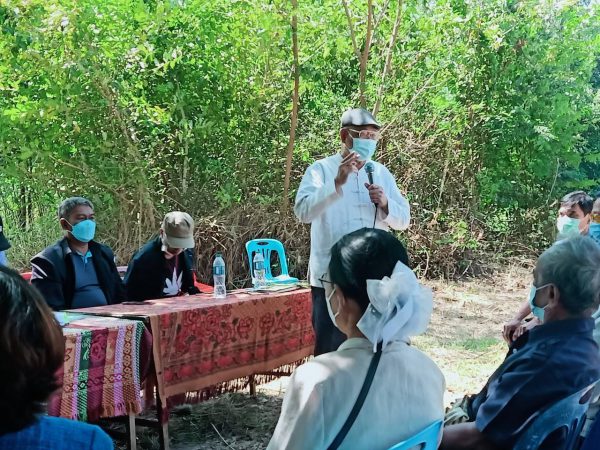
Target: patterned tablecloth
200,342
105,360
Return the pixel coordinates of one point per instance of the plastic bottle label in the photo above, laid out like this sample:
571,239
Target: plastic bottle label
259,265
218,270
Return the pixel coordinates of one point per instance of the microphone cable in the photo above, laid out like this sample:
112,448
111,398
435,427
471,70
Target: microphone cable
375,218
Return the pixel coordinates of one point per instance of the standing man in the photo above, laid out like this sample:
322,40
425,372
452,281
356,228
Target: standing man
4,245
164,267
336,198
77,272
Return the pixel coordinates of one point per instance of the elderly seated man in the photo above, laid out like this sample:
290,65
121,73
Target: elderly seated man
574,215
164,267
76,271
546,364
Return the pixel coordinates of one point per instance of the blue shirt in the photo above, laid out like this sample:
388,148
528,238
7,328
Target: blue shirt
87,288
543,366
55,433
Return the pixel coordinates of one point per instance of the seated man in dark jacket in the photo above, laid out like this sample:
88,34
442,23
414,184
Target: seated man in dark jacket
77,272
164,266
546,364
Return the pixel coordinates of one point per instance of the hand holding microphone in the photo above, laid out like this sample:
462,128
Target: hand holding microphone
376,193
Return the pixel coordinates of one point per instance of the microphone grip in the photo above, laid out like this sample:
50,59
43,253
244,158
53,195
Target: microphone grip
370,175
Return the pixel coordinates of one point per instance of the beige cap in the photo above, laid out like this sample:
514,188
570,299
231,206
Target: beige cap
179,230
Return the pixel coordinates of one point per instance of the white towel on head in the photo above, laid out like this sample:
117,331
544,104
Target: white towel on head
400,307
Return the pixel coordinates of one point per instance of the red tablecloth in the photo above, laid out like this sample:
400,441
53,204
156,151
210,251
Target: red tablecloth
105,361
199,342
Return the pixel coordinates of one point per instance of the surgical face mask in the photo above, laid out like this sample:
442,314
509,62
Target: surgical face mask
567,226
364,148
536,310
84,231
594,232
329,310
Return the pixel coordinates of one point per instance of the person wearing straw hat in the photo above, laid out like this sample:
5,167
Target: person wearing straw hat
4,245
379,307
164,267
336,197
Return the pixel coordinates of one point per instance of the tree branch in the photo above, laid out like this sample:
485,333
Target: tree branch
388,59
295,100
381,14
351,27
365,56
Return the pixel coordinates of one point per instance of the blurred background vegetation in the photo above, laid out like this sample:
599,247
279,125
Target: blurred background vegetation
492,113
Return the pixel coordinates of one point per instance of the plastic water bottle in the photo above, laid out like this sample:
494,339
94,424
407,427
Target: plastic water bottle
259,270
219,276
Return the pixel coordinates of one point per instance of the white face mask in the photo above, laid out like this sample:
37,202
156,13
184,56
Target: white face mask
567,226
329,310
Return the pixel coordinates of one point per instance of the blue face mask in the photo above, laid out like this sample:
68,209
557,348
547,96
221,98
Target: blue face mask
536,310
365,148
84,231
595,231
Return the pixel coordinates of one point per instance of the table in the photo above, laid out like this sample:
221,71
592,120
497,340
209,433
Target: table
207,345
105,361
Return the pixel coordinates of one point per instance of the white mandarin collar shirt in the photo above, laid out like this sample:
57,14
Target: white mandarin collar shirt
333,215
406,396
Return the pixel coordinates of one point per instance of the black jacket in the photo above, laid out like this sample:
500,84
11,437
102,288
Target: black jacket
146,273
53,274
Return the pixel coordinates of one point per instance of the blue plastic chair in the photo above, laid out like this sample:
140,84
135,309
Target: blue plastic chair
567,413
429,438
266,247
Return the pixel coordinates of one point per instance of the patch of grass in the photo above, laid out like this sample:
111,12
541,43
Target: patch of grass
477,344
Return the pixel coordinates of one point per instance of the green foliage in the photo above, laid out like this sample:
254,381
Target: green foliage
148,106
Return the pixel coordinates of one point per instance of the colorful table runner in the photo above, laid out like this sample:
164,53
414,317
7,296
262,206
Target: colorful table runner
101,373
199,342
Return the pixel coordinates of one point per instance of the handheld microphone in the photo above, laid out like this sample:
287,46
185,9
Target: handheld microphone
370,168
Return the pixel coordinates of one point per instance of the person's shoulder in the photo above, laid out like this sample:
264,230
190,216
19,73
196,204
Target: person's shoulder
331,160
319,370
148,250
382,168
53,251
103,248
74,434
412,357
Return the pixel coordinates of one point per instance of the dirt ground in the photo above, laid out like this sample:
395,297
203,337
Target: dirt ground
464,339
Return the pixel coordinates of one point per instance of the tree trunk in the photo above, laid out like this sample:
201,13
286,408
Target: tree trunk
365,56
294,120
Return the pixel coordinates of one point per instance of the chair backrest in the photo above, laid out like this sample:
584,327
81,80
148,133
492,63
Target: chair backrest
428,438
266,247
566,413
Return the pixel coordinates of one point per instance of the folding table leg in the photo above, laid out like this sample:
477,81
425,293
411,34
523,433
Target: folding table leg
131,434
163,428
252,384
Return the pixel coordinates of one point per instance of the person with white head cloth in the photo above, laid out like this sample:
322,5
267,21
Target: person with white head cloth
375,299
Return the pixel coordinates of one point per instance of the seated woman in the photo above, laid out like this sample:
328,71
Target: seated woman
377,302
31,351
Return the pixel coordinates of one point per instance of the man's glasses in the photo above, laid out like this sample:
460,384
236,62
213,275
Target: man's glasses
365,134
